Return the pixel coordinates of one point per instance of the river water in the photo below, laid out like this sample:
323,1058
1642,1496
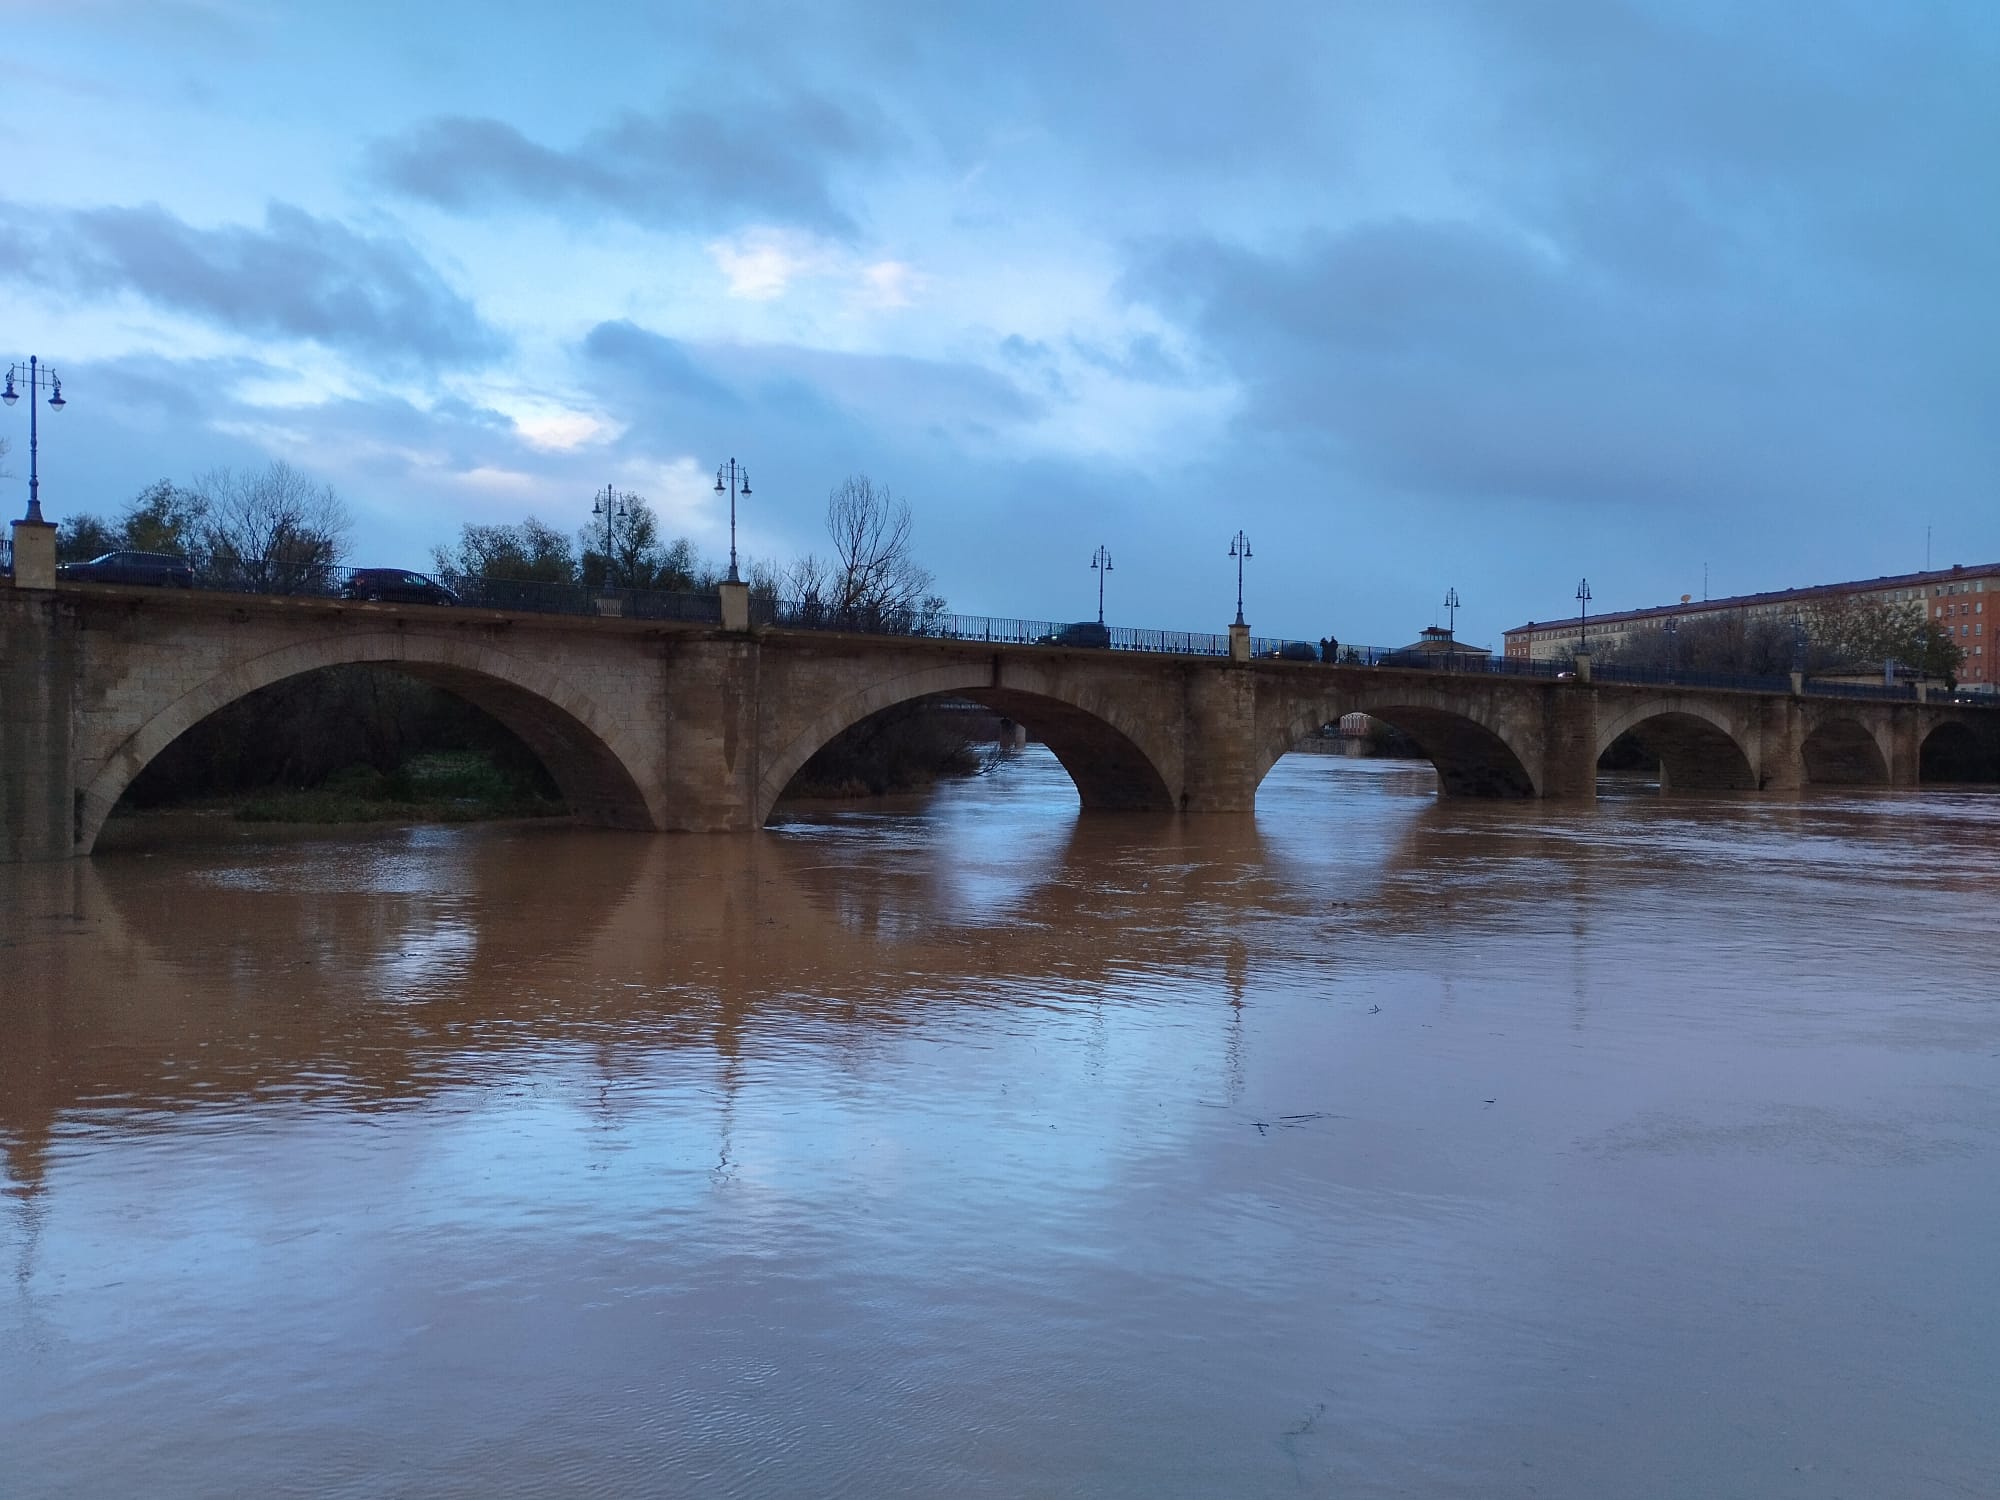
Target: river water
969,1146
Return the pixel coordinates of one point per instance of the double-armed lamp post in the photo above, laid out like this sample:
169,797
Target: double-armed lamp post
1100,563
739,484
1239,548
607,505
1451,613
34,378
1583,618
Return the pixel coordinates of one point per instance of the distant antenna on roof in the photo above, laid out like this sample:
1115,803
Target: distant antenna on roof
1927,549
1704,583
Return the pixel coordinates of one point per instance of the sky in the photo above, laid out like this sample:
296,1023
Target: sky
1484,295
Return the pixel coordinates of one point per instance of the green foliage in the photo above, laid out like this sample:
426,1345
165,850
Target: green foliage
624,550
900,749
164,517
531,552
333,730
83,536
274,529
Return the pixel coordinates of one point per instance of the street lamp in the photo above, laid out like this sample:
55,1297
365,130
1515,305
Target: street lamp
1583,618
1451,613
1239,548
739,484
1100,564
601,505
37,379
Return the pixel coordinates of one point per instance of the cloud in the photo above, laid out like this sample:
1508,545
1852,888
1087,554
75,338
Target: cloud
668,169
762,266
1457,358
789,387
298,277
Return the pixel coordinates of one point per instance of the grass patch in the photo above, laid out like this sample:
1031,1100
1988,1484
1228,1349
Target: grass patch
449,786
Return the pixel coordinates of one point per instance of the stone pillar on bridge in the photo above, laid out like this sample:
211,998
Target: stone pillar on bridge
735,606
1219,755
1906,745
1569,741
38,675
1239,642
1781,761
34,555
709,767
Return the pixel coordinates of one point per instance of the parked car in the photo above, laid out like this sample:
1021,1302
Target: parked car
1294,651
1082,633
394,586
160,569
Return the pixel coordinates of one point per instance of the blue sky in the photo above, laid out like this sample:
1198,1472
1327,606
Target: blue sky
1419,293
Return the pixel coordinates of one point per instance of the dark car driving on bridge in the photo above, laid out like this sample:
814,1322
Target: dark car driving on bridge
1082,633
395,586
159,569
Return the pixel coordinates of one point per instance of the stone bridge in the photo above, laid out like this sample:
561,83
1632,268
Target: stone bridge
650,725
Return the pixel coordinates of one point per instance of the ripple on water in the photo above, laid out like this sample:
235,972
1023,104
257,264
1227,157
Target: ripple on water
972,1145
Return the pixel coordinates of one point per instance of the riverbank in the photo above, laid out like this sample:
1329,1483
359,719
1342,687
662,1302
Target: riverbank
451,786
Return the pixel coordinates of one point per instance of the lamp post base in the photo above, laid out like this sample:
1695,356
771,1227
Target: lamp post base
735,606
1239,642
34,554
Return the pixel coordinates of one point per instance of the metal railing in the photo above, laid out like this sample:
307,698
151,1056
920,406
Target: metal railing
1902,692
998,630
514,595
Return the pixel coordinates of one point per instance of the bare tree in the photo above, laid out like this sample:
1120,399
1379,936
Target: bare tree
277,530
874,581
1828,636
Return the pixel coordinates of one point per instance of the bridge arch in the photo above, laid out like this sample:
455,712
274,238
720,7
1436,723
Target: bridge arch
1953,751
1475,755
1109,759
1840,750
594,762
1697,748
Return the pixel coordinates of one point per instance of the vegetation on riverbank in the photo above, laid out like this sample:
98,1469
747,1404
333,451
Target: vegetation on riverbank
902,749
450,786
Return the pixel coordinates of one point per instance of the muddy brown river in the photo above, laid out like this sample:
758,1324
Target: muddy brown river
968,1146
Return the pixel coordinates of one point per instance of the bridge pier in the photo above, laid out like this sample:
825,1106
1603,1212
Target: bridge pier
1569,743
1219,741
38,792
1906,746
1781,763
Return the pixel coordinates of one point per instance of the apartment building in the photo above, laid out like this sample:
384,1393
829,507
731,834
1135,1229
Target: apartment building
1955,598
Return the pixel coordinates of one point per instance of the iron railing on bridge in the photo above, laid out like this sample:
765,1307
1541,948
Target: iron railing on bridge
517,595
999,630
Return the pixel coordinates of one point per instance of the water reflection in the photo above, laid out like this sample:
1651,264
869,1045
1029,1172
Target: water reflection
1375,1145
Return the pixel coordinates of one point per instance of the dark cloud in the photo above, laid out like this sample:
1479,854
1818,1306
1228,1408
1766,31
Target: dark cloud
1144,359
296,277
1459,359
660,364
669,169
793,385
